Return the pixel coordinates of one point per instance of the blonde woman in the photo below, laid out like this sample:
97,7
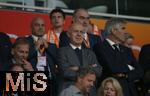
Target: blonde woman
110,87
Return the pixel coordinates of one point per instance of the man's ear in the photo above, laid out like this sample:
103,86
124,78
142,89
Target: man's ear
79,79
113,30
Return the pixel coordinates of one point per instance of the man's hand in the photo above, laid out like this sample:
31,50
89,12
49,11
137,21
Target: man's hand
38,43
27,66
45,43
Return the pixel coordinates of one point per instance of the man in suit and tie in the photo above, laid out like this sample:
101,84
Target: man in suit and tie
81,16
42,54
73,57
114,57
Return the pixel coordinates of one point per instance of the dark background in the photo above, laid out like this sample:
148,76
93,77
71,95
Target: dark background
126,7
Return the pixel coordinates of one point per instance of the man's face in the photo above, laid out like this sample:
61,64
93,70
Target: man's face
87,82
57,19
76,34
109,89
83,18
38,27
20,53
119,32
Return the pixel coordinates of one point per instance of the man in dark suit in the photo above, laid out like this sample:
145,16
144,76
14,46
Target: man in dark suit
5,51
73,57
81,16
144,60
114,57
42,54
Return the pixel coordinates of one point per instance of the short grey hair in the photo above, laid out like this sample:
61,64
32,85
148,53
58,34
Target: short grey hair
111,23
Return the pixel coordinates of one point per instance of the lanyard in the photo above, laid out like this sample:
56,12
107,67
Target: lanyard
51,33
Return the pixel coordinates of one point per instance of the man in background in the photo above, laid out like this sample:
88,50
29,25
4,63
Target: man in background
57,18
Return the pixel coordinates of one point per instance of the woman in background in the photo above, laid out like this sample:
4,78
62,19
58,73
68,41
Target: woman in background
110,87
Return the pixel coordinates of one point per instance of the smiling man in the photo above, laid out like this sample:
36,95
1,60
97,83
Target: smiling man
73,57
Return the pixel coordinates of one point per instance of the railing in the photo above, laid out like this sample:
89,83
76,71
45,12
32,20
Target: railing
71,11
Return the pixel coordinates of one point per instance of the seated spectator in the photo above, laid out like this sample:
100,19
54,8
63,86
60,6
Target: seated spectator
42,54
144,60
110,87
73,57
83,84
20,51
5,51
116,59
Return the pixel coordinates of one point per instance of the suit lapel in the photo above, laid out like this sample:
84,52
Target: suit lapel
72,57
107,47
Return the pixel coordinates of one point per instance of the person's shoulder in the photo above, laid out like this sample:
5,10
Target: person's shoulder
64,48
63,33
146,46
29,37
67,91
52,45
93,36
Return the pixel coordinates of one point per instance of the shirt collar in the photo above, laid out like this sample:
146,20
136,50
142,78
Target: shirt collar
74,47
35,38
112,43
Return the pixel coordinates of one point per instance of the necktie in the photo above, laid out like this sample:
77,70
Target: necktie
79,55
116,46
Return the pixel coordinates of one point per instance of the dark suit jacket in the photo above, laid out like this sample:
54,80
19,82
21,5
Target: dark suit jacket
68,58
50,54
113,64
64,40
144,57
144,60
5,51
